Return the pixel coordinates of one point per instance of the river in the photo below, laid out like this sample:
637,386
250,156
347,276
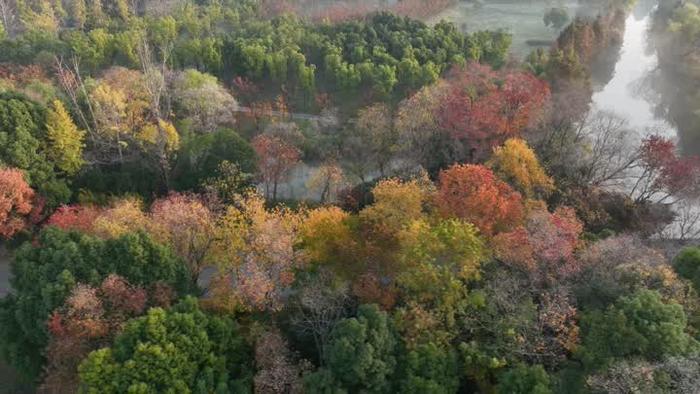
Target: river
627,91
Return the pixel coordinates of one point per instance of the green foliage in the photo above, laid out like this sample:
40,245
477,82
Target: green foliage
44,274
360,355
182,350
200,157
429,369
22,135
525,379
637,325
687,265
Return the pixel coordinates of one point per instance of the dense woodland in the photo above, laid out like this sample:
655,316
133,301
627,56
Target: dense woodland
475,227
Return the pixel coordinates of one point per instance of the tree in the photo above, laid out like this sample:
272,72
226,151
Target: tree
483,113
276,158
329,179
256,256
229,183
428,369
556,17
277,370
664,174
122,217
320,303
180,349
675,374
372,142
78,13
45,273
474,194
360,356
21,132
525,379
637,325
201,155
544,247
421,139
517,164
621,265
65,141
434,260
16,202
90,319
75,218
202,101
687,265
183,222
326,235
396,204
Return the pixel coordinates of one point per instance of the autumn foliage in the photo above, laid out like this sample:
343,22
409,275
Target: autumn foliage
474,193
664,172
276,158
16,201
484,107
74,217
90,318
516,163
544,246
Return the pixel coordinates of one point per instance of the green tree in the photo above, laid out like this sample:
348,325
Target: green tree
687,265
22,134
360,355
45,273
429,369
524,379
637,325
181,350
200,156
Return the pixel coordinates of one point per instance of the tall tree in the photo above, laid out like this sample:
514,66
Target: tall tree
65,141
276,158
21,133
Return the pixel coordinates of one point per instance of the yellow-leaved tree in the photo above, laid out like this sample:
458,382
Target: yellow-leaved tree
65,145
516,163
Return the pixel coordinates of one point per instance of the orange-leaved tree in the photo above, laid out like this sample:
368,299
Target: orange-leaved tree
16,201
474,193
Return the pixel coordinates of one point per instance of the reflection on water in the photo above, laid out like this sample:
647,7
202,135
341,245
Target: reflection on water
626,93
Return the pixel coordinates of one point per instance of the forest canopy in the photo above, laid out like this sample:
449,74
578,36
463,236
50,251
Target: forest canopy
249,196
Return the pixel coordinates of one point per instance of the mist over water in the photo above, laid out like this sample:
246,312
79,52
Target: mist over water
626,92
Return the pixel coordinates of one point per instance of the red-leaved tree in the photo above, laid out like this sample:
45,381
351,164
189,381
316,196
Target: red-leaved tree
276,158
16,202
483,108
74,217
664,174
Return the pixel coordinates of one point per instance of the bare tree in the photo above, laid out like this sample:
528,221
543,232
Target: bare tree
318,307
8,13
686,224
